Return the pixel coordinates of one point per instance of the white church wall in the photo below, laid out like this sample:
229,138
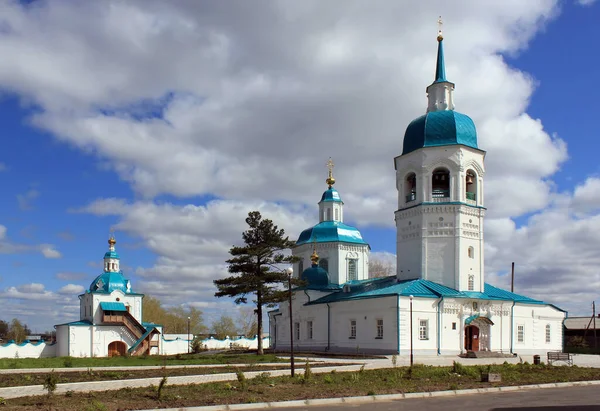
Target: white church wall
424,309
534,319
80,342
131,300
366,313
62,340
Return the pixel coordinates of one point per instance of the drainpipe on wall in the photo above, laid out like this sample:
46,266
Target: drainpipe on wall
512,325
328,327
398,322
439,327
307,296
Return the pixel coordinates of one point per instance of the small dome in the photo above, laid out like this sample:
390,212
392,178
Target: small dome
108,282
331,195
111,254
330,231
440,128
315,276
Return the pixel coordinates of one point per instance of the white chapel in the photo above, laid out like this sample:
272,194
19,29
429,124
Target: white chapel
438,300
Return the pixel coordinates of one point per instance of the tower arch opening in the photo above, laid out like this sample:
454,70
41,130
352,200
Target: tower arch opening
471,185
440,183
410,187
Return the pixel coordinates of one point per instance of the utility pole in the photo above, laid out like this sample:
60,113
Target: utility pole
594,315
512,278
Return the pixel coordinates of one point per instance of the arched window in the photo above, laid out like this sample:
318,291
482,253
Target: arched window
548,333
410,187
300,268
471,186
440,183
337,214
324,264
352,274
471,252
471,282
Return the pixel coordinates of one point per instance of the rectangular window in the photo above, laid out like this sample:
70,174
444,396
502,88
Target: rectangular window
520,333
297,331
352,274
309,330
379,328
547,333
352,329
454,326
423,329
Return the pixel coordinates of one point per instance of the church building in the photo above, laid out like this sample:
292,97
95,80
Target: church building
110,318
438,302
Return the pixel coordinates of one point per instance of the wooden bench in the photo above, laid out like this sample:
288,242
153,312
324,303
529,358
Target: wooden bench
560,356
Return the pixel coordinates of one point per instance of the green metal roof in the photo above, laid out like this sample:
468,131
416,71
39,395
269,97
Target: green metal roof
387,286
331,195
331,231
112,306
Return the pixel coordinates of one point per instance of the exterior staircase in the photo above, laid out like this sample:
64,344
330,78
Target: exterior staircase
143,335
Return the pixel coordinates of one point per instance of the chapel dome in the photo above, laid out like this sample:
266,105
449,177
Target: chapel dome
331,195
315,276
112,254
440,128
330,231
108,282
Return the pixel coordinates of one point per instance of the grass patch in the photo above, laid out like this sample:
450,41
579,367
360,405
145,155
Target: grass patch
128,361
335,384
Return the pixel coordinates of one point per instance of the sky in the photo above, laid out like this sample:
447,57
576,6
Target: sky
168,122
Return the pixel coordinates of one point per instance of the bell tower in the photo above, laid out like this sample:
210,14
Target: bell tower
439,178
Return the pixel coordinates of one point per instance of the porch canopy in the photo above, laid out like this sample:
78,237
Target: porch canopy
480,317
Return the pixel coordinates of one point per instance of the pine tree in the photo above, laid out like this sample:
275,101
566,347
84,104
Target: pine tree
255,267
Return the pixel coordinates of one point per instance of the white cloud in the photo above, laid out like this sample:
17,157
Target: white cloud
26,200
34,288
587,196
3,167
585,2
49,251
71,289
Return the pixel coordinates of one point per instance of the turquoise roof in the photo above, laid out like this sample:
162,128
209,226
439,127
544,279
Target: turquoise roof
330,231
331,195
108,282
111,254
440,128
440,67
315,276
388,286
112,306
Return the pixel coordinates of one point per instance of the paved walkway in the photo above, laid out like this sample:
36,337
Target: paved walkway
14,392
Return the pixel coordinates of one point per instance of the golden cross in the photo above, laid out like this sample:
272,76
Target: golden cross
330,166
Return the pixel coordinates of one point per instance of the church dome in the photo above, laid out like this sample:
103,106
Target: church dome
108,282
315,276
111,254
331,195
440,128
330,231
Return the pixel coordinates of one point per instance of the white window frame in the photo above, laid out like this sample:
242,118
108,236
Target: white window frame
309,330
423,329
471,283
379,323
352,329
548,333
353,261
520,333
296,331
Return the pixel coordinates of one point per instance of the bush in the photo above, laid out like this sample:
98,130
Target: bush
50,382
160,387
241,379
68,362
307,371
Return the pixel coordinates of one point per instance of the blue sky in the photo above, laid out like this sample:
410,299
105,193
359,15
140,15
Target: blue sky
91,143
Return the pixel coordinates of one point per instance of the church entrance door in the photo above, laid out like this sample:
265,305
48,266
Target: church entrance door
117,348
471,338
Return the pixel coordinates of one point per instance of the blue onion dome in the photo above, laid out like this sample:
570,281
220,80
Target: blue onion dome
331,195
315,275
112,254
330,231
440,128
108,282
